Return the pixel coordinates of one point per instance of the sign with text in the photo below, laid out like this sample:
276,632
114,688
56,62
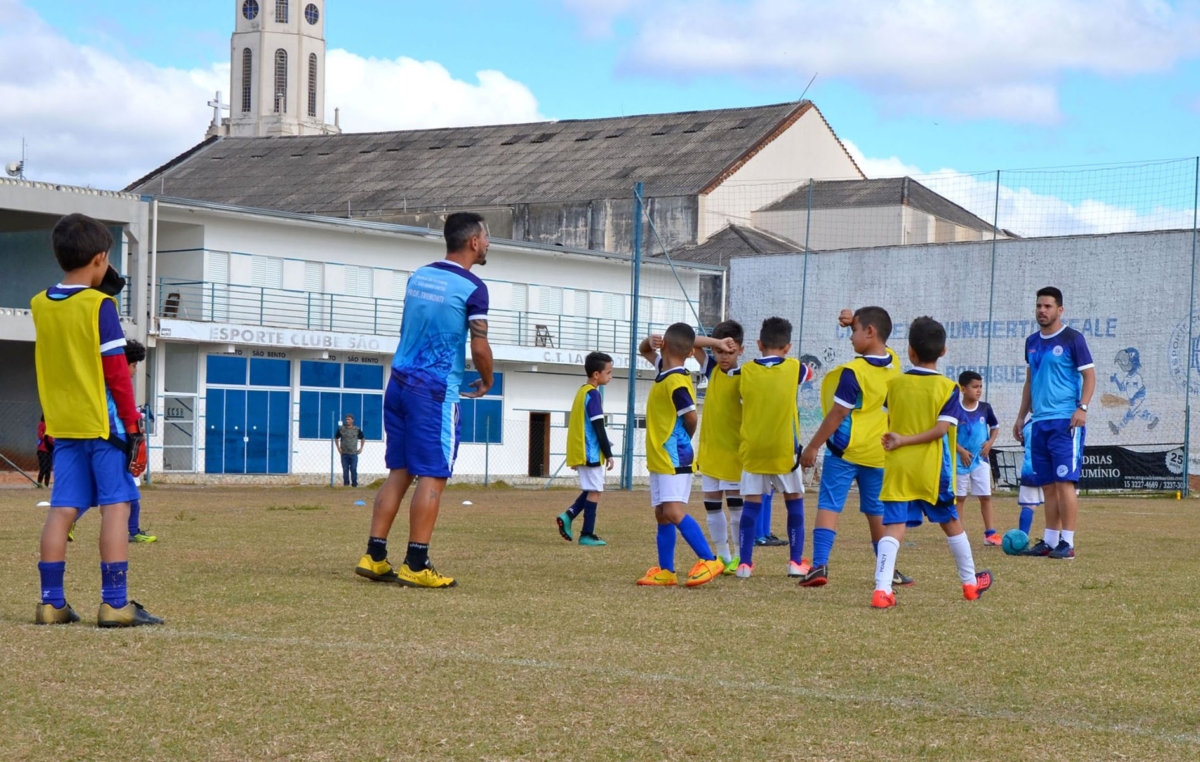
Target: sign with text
1107,467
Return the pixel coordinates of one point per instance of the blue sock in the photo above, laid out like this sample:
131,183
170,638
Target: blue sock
1026,519
666,547
135,517
748,531
822,545
795,528
589,517
875,547
989,532
693,535
577,506
114,584
52,582
764,518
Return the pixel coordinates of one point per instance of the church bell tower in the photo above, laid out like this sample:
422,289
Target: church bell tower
277,72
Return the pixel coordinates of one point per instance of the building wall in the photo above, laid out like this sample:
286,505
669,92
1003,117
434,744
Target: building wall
19,406
837,228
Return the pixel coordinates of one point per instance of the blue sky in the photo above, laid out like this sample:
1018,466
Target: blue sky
920,95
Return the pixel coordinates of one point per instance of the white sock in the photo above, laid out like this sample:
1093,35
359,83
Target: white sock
885,563
719,531
1051,537
735,521
960,548
1069,536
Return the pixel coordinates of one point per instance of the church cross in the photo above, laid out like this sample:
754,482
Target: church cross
217,106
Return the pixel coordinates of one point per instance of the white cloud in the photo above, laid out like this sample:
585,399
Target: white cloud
892,166
970,58
597,16
95,118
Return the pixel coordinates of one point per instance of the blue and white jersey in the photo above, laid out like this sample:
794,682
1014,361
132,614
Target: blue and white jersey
441,300
975,427
1027,463
1055,365
593,410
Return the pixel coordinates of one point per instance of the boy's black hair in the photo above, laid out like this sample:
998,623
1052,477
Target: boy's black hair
927,338
729,329
1052,292
776,333
595,362
459,228
134,351
876,317
679,339
967,376
78,238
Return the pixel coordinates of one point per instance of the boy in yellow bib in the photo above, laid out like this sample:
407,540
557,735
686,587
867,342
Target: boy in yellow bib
852,400
923,410
670,423
588,449
719,462
770,446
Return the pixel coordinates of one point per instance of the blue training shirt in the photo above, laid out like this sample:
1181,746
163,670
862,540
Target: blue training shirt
441,300
593,409
974,429
1055,366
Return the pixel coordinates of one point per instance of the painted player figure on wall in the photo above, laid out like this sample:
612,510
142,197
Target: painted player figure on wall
1132,392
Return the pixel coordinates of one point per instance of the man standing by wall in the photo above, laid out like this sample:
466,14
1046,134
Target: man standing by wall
350,444
420,407
1058,388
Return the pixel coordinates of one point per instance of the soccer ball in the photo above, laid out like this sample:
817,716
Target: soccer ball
1015,541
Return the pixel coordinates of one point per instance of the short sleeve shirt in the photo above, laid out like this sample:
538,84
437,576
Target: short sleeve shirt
1055,366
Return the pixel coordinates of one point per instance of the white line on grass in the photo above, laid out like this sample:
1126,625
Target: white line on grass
900,702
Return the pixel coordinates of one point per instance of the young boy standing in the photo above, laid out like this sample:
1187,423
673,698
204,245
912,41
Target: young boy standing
852,398
977,430
770,446
588,449
670,424
134,354
90,410
918,472
719,462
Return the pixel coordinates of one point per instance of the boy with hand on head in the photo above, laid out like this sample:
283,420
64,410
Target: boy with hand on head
977,431
718,461
588,449
670,423
90,410
852,398
770,446
918,474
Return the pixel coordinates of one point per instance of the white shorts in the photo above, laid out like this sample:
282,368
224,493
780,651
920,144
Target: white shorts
710,484
670,488
760,484
1030,496
591,478
977,483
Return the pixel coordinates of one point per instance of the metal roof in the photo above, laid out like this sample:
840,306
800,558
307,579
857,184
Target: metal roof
734,241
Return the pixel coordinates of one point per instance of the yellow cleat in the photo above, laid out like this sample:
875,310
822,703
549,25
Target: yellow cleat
132,614
376,571
704,572
47,614
656,577
71,533
427,577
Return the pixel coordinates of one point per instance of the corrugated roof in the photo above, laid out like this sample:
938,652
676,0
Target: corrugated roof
734,241
672,154
887,191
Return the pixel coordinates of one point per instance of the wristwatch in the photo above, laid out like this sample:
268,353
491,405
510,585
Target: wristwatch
1082,407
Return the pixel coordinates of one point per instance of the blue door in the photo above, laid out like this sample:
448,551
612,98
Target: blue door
279,431
235,431
257,416
214,439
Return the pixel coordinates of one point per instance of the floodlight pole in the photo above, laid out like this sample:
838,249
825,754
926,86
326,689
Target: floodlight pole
992,287
1191,351
634,340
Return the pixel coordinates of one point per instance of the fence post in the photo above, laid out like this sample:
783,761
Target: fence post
804,281
487,454
375,320
992,287
1187,388
631,400
332,448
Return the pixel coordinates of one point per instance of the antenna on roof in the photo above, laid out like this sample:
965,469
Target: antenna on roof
814,79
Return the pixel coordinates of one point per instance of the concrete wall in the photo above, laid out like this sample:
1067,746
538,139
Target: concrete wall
19,406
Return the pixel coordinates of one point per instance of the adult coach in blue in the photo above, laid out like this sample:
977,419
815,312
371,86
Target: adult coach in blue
443,302
1058,388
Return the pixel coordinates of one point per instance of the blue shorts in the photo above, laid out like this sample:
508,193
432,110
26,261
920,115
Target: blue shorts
838,474
912,512
90,472
422,433
1056,450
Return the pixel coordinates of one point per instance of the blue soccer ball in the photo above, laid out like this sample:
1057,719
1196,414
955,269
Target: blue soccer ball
1015,541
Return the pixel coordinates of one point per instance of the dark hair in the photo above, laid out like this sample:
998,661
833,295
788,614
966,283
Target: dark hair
134,351
1052,292
77,239
729,329
459,228
967,376
927,337
811,360
679,338
876,317
776,333
595,363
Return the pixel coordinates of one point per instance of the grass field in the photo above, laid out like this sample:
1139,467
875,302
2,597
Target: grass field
274,649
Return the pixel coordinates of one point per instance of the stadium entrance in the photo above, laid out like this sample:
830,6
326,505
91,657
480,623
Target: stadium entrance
247,427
